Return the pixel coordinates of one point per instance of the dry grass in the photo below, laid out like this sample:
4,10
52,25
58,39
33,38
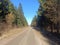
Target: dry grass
12,32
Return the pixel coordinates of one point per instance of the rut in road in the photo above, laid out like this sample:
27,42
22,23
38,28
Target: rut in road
29,39
17,40
26,38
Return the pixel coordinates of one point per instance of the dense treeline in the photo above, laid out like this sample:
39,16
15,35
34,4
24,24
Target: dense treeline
48,16
11,16
34,21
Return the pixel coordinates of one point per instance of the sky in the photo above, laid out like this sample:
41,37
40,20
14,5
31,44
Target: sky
30,8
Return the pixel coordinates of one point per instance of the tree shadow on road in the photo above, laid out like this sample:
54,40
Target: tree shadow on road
52,40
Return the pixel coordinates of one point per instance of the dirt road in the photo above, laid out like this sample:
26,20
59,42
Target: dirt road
27,37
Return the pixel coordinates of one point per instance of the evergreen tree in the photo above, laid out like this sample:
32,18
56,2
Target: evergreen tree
47,14
3,9
21,21
34,21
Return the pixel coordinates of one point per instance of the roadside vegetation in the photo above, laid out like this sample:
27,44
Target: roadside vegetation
11,17
48,18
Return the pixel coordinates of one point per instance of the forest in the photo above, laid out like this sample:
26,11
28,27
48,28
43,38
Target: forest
45,26
10,16
48,17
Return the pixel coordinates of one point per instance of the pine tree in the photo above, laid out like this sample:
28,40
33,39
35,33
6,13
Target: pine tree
21,21
34,21
47,14
3,9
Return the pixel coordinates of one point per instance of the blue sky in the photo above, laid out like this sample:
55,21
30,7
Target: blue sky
29,7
